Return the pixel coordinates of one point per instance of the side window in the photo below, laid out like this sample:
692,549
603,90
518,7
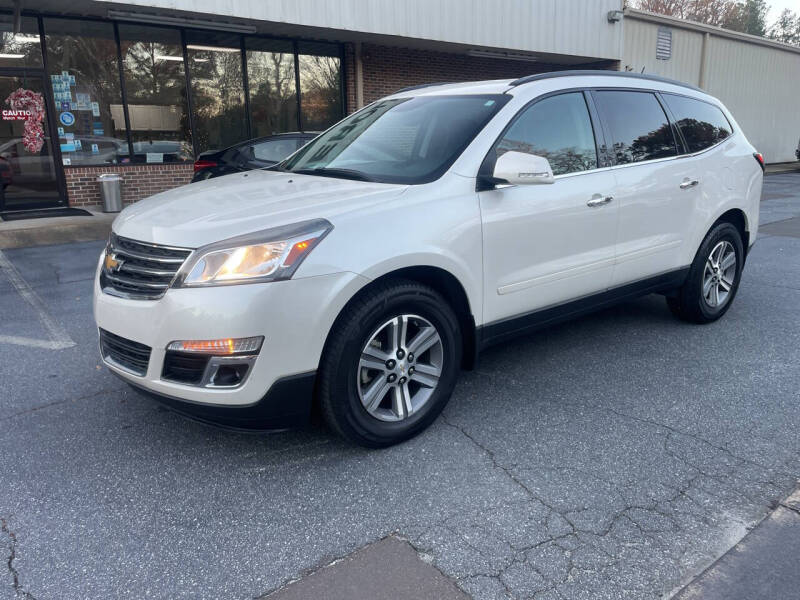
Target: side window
558,128
274,150
702,124
638,126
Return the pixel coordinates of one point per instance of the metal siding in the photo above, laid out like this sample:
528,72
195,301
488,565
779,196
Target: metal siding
640,52
572,27
761,88
758,84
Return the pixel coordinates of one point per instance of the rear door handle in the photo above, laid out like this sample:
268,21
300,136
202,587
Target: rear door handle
687,183
598,200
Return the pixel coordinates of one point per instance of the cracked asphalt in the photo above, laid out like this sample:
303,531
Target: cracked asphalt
616,456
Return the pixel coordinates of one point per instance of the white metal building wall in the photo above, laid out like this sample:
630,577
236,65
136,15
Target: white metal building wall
573,27
761,87
759,83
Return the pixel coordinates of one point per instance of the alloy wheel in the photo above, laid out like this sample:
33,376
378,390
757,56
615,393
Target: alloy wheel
719,274
400,367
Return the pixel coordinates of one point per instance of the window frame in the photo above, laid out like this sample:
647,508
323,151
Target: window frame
602,134
673,123
598,133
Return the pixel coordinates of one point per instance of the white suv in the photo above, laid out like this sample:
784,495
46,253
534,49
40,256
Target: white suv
370,266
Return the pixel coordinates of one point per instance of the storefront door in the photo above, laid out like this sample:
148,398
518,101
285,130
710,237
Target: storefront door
29,177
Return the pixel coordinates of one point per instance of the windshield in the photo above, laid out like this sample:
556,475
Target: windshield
402,140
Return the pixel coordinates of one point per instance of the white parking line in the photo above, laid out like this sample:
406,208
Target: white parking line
59,338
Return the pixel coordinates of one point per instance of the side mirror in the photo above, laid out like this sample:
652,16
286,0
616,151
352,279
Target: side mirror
520,168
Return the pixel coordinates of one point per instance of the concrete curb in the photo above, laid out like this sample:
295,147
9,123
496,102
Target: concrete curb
55,230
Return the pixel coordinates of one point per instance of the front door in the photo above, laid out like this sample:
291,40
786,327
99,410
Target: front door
28,174
546,244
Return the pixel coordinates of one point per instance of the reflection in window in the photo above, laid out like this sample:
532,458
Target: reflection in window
215,67
639,128
21,49
274,151
84,77
558,128
400,140
702,124
155,85
320,86
271,79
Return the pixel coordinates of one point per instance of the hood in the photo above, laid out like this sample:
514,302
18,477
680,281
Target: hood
224,207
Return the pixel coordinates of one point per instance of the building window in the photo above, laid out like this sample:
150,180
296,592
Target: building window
215,69
21,49
155,89
273,87
84,77
320,85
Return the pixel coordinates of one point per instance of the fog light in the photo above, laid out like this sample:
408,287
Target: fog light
230,375
250,345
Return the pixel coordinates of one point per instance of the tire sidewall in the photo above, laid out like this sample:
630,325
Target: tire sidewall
362,325
722,232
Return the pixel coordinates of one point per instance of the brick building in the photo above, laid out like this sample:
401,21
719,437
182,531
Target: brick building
142,87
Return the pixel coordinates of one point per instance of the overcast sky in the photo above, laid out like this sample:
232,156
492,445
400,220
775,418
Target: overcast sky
776,6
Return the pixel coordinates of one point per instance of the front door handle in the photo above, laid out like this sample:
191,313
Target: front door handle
598,200
688,183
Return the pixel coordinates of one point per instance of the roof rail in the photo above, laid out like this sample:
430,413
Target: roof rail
598,72
422,85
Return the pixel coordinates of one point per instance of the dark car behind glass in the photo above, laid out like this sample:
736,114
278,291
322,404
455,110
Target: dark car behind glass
252,154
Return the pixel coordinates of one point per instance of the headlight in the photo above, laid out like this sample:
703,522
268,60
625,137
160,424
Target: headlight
269,255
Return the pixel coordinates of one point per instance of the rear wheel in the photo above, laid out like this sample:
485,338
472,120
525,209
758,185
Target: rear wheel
390,364
713,278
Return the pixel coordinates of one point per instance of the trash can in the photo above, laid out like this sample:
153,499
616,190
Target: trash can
111,191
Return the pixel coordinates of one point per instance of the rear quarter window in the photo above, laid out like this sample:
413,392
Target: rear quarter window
702,124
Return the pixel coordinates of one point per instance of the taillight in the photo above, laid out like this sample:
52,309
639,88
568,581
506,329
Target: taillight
199,165
760,158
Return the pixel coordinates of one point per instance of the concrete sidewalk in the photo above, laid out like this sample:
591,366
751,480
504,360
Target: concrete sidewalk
762,565
56,230
787,167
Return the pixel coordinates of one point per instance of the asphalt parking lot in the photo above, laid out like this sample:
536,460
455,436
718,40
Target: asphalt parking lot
616,456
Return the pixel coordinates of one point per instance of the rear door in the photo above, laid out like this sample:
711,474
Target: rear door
546,244
653,187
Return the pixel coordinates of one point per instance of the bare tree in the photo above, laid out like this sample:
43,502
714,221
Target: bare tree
748,16
787,28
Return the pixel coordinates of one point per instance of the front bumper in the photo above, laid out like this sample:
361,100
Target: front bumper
286,404
294,317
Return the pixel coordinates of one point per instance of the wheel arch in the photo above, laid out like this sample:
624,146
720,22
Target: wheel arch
446,284
738,218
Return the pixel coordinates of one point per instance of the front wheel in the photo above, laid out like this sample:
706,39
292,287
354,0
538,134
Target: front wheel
713,278
390,364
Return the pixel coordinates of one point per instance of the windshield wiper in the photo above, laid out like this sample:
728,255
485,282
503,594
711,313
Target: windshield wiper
340,173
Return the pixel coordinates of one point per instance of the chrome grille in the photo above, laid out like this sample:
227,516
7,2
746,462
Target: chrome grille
138,269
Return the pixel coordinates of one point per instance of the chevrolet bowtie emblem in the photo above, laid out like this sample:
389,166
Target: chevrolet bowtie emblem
112,263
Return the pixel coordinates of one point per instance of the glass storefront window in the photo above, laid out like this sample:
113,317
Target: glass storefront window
320,85
272,84
155,87
215,67
21,49
84,79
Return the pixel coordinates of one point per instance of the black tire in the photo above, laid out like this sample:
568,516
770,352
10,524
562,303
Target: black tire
689,302
339,372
